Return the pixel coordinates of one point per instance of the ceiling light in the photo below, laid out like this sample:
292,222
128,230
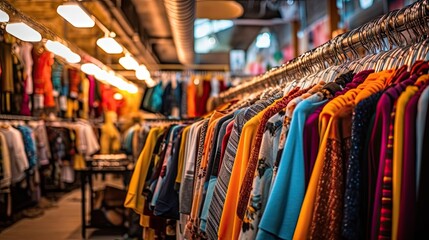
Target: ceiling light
75,15
24,32
132,88
142,73
73,57
118,96
61,50
218,9
102,75
90,68
109,45
4,17
150,82
128,62
57,48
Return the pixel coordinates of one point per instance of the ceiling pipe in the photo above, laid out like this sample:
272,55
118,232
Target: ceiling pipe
181,15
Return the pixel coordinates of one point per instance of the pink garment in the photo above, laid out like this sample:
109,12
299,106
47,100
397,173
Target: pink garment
27,59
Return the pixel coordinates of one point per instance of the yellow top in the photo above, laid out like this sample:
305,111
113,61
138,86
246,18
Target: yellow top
134,198
182,154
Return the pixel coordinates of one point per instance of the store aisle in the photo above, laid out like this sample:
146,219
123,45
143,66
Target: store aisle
59,223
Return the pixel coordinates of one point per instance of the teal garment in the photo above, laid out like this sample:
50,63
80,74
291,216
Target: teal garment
128,142
209,196
57,72
29,145
284,204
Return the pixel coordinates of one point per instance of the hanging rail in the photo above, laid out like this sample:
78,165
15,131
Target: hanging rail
386,31
18,118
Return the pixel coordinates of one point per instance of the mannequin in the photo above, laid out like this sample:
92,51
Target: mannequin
110,140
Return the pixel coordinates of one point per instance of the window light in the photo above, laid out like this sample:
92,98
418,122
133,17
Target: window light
75,15
4,17
90,68
128,62
24,32
109,45
263,40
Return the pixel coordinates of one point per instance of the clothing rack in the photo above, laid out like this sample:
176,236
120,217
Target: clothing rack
18,117
394,29
33,118
170,120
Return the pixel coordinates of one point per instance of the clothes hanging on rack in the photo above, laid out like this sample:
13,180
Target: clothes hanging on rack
184,97
252,172
35,83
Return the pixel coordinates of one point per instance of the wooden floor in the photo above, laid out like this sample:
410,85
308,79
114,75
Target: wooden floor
58,223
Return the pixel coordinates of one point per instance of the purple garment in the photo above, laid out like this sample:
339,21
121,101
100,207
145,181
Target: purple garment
25,105
311,142
407,212
377,152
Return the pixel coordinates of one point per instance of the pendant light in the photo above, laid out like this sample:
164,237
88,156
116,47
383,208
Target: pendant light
75,15
4,17
109,44
128,62
23,31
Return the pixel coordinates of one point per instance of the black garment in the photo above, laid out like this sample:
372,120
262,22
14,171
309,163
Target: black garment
167,204
171,98
354,189
18,84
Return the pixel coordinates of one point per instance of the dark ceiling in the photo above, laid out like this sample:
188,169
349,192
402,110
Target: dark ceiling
143,28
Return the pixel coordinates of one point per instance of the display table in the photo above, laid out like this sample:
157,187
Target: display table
86,176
